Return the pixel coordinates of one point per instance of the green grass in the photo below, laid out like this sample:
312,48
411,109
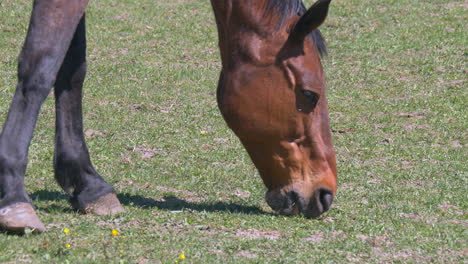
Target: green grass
396,82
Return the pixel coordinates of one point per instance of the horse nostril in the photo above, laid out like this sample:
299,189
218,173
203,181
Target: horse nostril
294,197
326,199
319,203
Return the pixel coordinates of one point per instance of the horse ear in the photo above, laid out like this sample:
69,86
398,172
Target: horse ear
311,20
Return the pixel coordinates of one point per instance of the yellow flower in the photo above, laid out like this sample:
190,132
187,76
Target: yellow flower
182,256
67,245
114,232
121,251
66,230
75,234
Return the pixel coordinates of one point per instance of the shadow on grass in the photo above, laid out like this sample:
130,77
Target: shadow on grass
170,203
173,203
53,196
45,195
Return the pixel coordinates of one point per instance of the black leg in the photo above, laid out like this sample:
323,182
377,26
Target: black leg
73,168
50,31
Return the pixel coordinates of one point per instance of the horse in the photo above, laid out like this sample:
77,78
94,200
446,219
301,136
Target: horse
271,93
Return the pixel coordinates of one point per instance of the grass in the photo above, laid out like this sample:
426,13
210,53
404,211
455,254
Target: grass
396,87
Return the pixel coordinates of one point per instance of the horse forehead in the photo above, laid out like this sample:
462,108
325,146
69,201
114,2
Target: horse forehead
308,66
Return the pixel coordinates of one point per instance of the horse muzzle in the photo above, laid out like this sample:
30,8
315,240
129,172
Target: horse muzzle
293,202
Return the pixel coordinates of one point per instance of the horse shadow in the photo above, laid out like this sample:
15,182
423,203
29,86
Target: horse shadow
168,203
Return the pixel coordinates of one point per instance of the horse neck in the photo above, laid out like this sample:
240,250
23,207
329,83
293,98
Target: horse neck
245,33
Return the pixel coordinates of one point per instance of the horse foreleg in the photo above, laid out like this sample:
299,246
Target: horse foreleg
51,28
73,168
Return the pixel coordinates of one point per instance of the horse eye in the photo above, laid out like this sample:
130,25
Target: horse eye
311,96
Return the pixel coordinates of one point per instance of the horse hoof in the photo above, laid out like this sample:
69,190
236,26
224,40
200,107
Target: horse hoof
106,205
19,217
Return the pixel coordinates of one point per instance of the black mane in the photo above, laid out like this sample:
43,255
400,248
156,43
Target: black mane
288,8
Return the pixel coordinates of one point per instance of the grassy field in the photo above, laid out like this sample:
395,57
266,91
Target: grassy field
398,102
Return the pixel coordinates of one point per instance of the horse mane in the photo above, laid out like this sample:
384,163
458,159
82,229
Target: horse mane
288,8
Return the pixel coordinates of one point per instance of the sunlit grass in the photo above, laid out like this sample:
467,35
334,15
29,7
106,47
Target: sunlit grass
396,85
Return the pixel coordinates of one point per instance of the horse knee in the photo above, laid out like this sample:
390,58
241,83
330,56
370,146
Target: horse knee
36,86
36,75
6,163
10,163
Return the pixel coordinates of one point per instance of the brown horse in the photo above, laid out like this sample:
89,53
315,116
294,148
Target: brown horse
271,93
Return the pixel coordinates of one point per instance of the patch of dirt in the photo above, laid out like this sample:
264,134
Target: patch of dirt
217,252
407,164
123,16
457,222
458,4
448,252
378,126
89,133
451,83
247,254
362,237
179,225
354,259
106,103
258,234
374,180
446,207
132,223
329,219
146,153
221,140
414,115
57,225
403,255
418,184
316,237
21,260
414,126
337,235
421,218
377,241
206,147
242,194
125,159
142,260
456,144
